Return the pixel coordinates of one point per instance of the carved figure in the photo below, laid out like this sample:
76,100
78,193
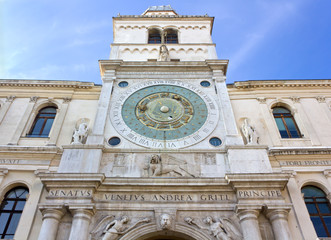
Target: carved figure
80,134
164,53
114,229
222,229
249,133
158,169
165,221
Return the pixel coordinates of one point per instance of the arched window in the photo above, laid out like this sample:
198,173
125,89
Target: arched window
170,36
319,210
154,36
43,123
11,210
285,122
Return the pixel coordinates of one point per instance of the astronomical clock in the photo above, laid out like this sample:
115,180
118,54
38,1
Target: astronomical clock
164,114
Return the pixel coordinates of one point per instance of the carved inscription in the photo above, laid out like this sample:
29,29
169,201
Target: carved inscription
113,197
9,161
306,163
259,194
69,193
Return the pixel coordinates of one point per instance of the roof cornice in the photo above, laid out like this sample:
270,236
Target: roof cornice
283,83
45,83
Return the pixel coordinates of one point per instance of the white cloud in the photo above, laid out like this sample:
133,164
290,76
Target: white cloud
275,14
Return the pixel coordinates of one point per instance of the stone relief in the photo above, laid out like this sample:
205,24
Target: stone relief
81,131
222,228
164,53
249,133
210,158
165,221
157,167
115,228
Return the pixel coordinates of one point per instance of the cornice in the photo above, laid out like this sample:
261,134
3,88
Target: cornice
45,84
143,66
29,149
300,151
283,83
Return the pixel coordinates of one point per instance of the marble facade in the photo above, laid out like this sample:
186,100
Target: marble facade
82,187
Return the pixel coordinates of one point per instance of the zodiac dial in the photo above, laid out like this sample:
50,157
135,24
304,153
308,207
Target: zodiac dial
171,115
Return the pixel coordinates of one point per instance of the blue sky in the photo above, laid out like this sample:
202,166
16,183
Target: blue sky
263,39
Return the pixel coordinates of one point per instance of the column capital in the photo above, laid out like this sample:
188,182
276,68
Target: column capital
261,100
82,211
248,211
327,173
291,173
52,211
3,172
278,213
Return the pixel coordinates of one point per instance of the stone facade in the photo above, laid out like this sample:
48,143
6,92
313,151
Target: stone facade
229,175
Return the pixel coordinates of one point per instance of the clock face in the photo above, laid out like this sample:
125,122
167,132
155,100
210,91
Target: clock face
164,114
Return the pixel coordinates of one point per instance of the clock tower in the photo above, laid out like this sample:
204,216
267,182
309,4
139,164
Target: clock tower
165,144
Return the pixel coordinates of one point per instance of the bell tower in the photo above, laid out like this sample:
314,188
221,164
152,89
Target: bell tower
139,37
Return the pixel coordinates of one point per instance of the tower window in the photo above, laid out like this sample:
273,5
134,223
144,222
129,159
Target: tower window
154,36
43,123
319,210
11,210
170,36
285,122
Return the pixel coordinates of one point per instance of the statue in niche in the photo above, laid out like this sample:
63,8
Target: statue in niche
159,169
164,53
165,221
249,133
80,134
115,228
221,229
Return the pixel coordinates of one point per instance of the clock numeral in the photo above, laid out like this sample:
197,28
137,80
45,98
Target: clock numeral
196,137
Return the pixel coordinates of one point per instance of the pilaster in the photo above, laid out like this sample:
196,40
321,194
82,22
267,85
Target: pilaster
300,208
5,107
302,116
232,135
58,122
20,127
3,173
267,115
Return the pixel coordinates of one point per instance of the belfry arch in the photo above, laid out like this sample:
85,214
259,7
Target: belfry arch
150,232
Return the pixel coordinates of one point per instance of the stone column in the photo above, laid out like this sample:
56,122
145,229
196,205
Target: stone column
51,219
249,223
278,219
80,222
